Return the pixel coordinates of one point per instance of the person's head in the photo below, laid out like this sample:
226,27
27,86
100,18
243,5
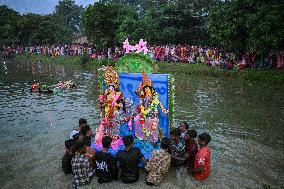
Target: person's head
183,126
82,123
78,137
175,134
80,147
128,141
204,139
106,142
86,131
74,133
70,145
165,143
191,134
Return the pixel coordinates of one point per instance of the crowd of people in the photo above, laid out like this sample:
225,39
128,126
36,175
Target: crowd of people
181,149
50,50
167,53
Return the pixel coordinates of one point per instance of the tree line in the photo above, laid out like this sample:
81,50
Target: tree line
34,29
243,25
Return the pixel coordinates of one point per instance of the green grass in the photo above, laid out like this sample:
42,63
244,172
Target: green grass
42,58
262,75
181,69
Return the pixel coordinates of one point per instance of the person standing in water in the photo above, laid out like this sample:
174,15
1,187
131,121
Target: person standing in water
159,163
201,168
81,168
128,161
105,163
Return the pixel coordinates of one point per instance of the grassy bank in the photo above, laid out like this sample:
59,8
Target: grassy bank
262,75
68,60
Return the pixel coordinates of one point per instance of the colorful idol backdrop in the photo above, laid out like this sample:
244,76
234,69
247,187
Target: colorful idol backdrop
135,101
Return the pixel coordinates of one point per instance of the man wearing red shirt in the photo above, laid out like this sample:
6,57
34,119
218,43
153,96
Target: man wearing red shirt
201,169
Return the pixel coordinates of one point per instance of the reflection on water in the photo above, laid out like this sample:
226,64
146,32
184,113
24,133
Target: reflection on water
245,121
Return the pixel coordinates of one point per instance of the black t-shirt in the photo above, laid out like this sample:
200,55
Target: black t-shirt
106,168
66,163
128,162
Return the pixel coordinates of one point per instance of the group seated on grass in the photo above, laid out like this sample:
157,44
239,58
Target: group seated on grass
164,53
181,149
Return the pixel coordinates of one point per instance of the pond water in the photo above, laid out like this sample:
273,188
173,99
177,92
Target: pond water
245,121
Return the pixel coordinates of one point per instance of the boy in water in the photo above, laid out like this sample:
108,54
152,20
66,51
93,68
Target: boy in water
82,123
159,163
177,148
86,135
183,127
201,168
105,163
76,131
81,168
66,159
128,161
191,148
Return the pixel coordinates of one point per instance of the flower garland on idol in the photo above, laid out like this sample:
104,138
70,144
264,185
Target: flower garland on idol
110,101
147,129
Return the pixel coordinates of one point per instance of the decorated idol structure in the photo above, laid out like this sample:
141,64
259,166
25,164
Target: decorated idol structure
135,101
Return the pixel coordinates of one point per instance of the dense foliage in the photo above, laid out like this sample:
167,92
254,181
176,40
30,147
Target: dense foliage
109,22
9,28
236,24
34,29
255,25
247,24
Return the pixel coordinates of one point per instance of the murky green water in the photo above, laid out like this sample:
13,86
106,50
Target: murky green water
245,121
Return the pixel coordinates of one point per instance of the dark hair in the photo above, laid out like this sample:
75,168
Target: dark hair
82,121
106,141
128,140
176,132
69,143
79,145
76,136
165,143
186,124
192,133
205,137
85,129
114,88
